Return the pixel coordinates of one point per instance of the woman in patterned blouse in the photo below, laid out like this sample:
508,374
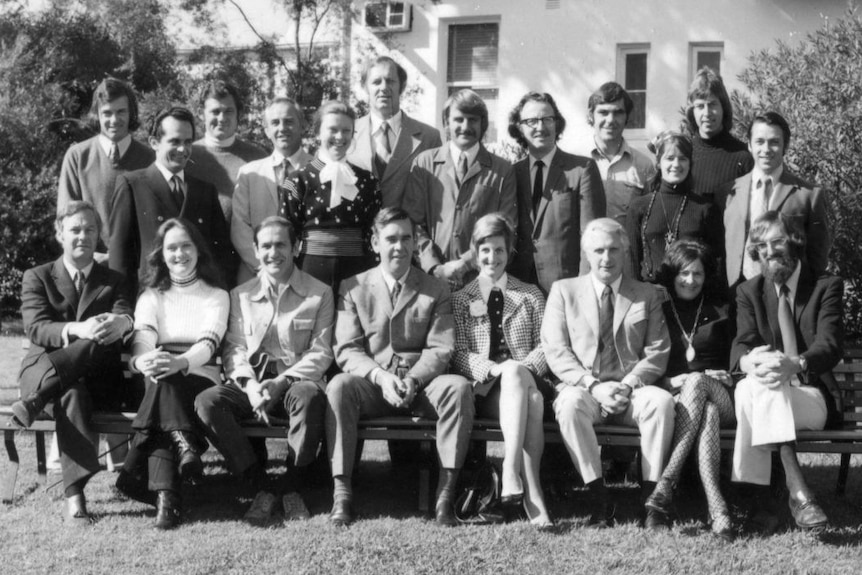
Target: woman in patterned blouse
180,319
498,322
332,203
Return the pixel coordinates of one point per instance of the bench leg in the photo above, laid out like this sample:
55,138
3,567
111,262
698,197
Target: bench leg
843,471
7,490
41,458
427,458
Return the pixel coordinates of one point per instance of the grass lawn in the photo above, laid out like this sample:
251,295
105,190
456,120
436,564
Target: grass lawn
391,536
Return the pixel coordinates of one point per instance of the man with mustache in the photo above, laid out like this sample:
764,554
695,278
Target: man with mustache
387,139
144,199
788,339
257,185
771,186
452,186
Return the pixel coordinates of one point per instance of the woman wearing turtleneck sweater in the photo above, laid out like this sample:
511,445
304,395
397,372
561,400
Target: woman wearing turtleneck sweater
700,334
332,203
671,211
180,319
717,158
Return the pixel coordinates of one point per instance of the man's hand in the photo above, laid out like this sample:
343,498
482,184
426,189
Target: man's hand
258,398
613,396
394,389
110,328
85,329
453,270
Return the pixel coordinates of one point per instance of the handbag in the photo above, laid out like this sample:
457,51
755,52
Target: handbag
478,502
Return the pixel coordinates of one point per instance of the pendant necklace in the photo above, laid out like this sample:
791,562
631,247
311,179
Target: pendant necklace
688,337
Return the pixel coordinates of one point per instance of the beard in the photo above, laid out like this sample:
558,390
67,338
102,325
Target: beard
778,269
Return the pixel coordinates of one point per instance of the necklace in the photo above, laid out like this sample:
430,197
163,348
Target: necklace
648,273
672,228
689,337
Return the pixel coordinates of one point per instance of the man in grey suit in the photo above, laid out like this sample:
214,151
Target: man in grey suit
256,196
394,337
771,186
386,138
605,338
558,194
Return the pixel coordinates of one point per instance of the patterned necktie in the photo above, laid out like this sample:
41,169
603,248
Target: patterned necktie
395,293
383,141
177,191
537,185
462,168
608,361
114,154
286,168
495,313
786,323
79,282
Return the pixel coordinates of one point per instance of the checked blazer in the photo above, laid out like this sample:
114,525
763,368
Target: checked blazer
523,309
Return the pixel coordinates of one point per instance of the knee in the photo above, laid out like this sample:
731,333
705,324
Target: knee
304,395
536,404
515,377
205,402
339,390
461,389
658,404
572,404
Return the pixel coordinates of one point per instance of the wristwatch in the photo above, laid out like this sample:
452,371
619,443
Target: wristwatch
803,364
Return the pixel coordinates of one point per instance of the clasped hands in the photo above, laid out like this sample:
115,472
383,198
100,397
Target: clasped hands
157,364
262,395
768,366
105,328
613,396
453,270
397,392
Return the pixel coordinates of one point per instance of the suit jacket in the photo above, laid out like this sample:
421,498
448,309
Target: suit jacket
549,242
255,198
306,314
445,212
570,331
415,137
143,202
523,308
818,311
49,301
791,196
420,329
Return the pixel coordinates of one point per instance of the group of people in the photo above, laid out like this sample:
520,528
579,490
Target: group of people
391,273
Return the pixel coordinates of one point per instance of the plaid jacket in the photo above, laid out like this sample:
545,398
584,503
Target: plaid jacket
523,308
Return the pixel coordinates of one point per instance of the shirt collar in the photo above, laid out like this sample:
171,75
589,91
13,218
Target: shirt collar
546,159
278,159
758,177
268,285
486,284
390,280
792,283
70,267
455,152
599,287
597,154
212,142
394,123
169,174
123,145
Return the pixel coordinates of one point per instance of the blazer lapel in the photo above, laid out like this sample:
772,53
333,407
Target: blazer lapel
444,168
511,303
785,186
66,287
589,305
92,288
770,304
622,304
362,154
260,316
162,193
408,292
408,140
804,288
483,158
269,175
555,174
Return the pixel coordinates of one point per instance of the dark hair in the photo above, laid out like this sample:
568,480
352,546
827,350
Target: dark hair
684,252
109,90
178,113
157,275
708,83
468,102
662,142
331,107
772,119
218,90
275,222
761,226
515,116
381,60
76,207
388,215
492,225
608,93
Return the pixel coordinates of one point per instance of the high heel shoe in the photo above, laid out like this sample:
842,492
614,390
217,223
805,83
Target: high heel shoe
722,527
512,506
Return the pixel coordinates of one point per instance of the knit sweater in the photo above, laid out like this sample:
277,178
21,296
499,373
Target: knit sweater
188,321
220,166
717,162
88,174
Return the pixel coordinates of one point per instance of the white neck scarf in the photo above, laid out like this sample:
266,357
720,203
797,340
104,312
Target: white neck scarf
342,177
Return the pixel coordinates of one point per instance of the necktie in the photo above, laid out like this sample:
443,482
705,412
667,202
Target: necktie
608,361
395,293
495,313
79,282
786,323
177,191
462,168
537,185
385,145
286,168
114,154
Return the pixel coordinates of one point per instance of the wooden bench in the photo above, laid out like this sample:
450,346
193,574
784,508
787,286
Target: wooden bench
846,440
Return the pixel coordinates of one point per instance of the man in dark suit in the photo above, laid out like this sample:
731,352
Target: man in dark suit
558,194
771,186
387,139
788,339
76,314
145,199
394,336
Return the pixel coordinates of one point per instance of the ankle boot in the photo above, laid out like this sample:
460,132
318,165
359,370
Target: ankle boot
190,464
167,509
25,411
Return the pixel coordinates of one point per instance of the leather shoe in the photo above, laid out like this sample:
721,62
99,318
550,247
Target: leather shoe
656,520
807,514
134,488
658,501
603,517
189,454
445,513
76,512
341,514
167,509
25,411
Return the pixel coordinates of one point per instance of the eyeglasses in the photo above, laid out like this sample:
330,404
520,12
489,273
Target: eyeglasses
534,122
776,244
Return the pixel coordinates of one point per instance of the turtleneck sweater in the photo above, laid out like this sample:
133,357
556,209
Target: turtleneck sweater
712,338
716,163
671,208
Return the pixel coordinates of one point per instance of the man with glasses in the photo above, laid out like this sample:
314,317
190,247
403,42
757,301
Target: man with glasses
558,194
789,338
770,186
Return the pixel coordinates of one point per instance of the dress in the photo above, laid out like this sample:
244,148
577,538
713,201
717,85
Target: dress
335,241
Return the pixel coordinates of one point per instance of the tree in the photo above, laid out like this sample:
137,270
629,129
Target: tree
815,86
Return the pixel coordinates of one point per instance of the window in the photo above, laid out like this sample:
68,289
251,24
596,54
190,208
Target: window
388,16
632,68
702,54
472,63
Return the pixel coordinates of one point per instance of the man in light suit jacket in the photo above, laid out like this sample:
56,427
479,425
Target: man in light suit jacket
788,339
387,139
277,350
605,338
393,340
771,186
558,194
451,187
145,199
256,196
76,314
